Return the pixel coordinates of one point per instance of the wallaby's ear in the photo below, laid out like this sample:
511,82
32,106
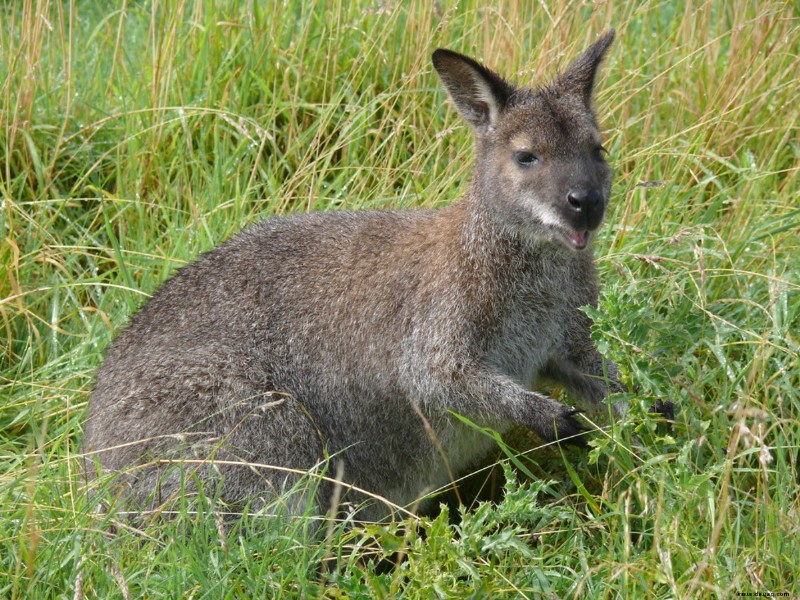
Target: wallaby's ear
479,94
579,77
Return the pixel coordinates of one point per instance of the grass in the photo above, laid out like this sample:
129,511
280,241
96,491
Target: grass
132,139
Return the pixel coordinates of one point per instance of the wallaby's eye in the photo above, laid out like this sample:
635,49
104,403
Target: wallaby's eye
600,153
525,159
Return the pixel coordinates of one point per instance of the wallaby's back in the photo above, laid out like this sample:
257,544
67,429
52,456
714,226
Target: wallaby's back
357,334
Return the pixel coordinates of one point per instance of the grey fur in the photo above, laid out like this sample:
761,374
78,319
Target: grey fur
357,333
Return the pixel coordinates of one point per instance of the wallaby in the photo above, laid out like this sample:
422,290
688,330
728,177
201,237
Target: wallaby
358,335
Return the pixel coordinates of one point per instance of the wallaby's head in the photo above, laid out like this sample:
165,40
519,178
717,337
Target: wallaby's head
540,166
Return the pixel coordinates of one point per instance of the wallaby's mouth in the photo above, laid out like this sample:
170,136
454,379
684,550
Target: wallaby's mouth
579,239
579,223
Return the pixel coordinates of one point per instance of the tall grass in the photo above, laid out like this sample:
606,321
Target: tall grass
133,138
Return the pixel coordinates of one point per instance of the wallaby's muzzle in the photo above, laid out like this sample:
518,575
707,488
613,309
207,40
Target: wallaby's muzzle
584,212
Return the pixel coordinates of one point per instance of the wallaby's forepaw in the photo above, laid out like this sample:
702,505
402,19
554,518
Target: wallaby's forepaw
567,429
665,408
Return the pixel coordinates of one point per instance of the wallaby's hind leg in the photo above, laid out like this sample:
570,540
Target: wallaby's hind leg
254,447
267,445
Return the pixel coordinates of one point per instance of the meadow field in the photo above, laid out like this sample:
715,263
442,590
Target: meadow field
135,136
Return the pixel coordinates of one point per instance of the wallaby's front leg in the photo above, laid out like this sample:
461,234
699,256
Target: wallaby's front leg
584,372
590,381
490,398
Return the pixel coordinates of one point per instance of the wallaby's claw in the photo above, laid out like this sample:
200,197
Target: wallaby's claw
568,430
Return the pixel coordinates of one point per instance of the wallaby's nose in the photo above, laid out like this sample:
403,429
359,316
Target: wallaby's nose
587,204
584,200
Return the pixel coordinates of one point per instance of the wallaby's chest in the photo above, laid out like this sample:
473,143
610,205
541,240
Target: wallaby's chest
533,323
